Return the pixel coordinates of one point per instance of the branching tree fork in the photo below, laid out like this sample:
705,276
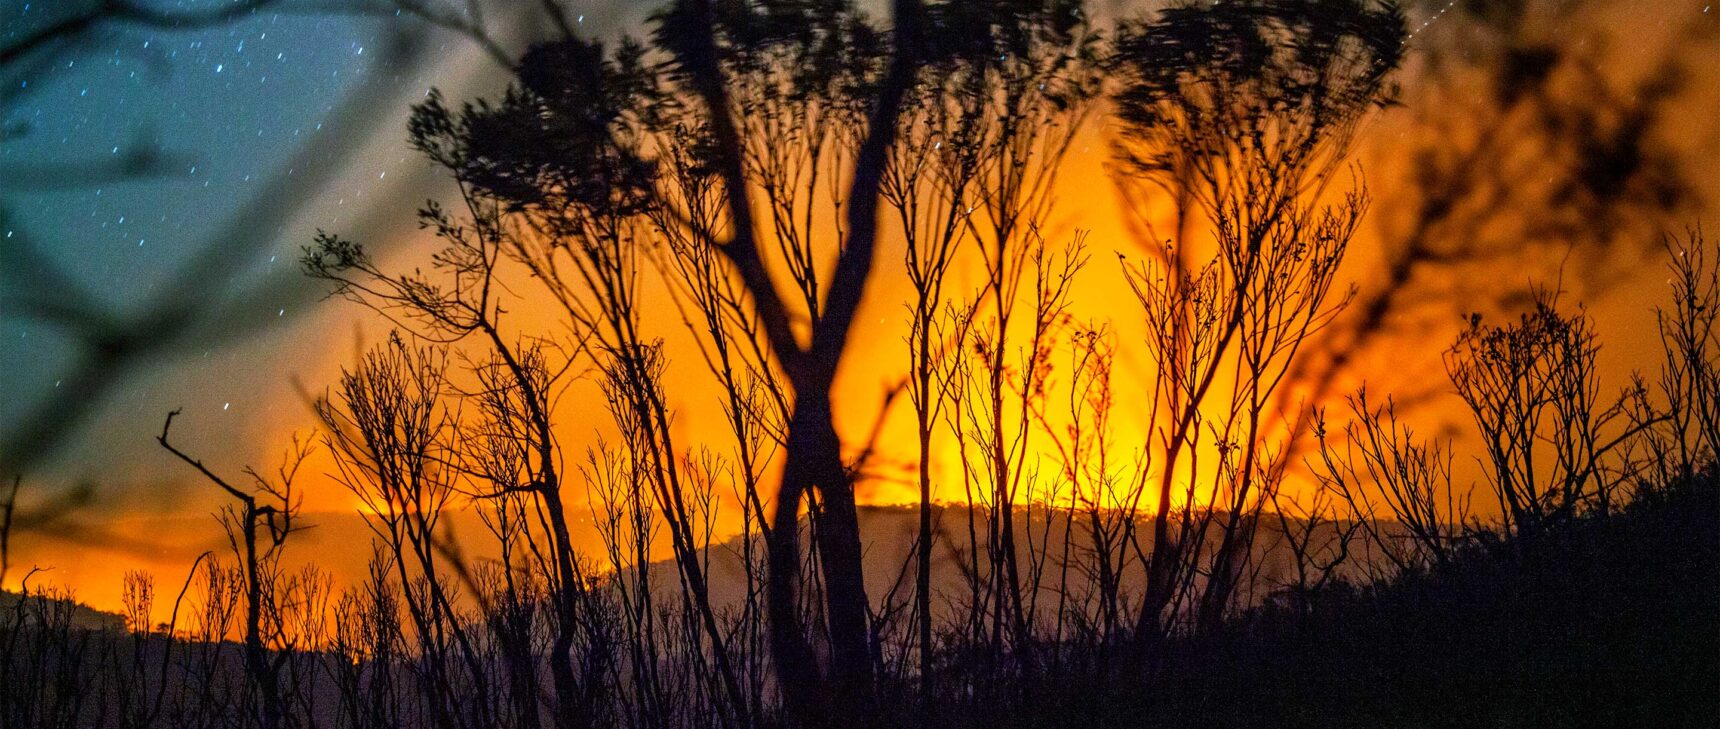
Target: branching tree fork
258,529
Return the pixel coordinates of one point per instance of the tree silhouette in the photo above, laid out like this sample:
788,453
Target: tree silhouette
1239,114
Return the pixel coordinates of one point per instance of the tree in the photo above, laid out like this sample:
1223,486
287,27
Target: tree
270,517
1004,94
578,133
1533,391
1239,114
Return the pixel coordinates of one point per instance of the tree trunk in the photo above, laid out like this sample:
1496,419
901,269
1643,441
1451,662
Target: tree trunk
814,460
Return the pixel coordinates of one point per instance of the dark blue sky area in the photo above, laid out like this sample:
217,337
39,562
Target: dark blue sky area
228,106
260,131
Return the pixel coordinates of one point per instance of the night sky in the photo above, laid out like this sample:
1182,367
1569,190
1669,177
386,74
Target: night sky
260,132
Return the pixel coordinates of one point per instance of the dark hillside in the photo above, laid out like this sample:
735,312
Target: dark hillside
1602,622
73,613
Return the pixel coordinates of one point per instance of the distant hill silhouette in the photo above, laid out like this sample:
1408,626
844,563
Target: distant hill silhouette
889,533
80,615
